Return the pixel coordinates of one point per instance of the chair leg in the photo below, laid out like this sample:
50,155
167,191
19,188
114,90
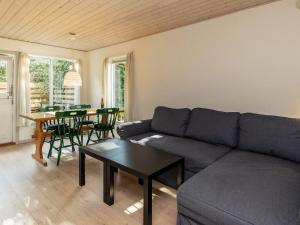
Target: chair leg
72,142
52,140
99,136
89,136
112,133
78,139
59,150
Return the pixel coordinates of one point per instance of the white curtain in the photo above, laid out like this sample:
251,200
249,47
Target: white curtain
106,82
23,90
78,67
128,86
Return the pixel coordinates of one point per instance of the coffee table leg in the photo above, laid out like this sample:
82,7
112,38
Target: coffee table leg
180,173
81,169
147,201
108,183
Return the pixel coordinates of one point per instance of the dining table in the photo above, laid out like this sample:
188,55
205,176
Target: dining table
40,134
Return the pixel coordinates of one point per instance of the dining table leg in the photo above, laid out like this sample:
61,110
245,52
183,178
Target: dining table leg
39,141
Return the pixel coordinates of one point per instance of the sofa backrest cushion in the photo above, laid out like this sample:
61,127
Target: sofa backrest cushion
274,135
215,127
170,121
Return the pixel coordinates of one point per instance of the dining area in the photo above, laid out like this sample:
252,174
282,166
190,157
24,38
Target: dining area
65,127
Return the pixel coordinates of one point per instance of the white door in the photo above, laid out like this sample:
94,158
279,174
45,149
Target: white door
6,99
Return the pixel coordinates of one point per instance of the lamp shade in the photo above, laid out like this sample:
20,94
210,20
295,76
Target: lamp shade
72,79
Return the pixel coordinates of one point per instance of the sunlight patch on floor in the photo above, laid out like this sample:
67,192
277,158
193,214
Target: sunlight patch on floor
137,206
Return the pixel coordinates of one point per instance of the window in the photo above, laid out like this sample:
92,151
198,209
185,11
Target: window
61,95
118,74
3,77
39,69
116,79
46,81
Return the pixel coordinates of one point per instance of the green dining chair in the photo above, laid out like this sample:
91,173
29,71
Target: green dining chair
50,125
70,127
52,108
87,123
106,120
82,106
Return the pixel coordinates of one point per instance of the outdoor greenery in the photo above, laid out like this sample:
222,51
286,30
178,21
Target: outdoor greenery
39,72
60,68
39,77
120,82
2,72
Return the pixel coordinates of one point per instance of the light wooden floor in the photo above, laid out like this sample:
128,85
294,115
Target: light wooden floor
32,194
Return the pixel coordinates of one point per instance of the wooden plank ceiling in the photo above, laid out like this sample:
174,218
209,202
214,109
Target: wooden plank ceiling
100,23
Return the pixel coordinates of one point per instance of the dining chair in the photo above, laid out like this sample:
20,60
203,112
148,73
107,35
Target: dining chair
50,125
81,106
106,120
70,127
87,122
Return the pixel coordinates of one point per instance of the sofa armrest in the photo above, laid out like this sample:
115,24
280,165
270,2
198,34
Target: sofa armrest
131,129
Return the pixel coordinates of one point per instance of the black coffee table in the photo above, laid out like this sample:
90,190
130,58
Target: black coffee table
141,161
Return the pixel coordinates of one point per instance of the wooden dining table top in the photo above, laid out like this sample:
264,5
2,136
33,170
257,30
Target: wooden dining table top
45,116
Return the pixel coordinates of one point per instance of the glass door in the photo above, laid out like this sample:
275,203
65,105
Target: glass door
6,99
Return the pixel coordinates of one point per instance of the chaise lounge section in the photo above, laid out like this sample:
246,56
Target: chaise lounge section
167,131
240,169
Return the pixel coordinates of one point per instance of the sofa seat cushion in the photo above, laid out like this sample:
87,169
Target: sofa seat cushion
274,135
213,126
170,121
197,155
244,188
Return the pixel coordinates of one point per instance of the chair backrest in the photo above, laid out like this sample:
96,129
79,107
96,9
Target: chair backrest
82,106
108,116
52,108
70,119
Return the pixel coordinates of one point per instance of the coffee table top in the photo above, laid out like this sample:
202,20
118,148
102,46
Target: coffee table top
138,159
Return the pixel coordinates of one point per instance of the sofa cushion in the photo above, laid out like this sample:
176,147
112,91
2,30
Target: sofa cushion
243,188
273,135
170,121
197,155
214,126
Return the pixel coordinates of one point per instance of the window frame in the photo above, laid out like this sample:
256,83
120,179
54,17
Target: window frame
111,79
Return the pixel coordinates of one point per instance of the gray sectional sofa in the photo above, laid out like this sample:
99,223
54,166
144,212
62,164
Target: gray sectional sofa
240,169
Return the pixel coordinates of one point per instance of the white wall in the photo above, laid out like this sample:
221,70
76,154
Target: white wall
25,133
246,61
